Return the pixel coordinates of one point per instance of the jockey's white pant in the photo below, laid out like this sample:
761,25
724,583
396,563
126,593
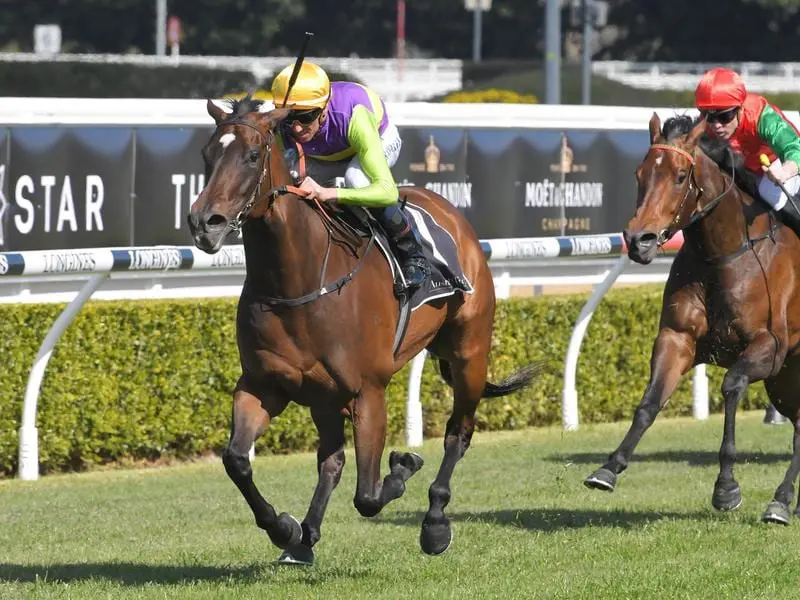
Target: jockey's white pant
354,176
773,194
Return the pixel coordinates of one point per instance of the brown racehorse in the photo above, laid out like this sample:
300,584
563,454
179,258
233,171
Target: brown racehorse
326,341
731,298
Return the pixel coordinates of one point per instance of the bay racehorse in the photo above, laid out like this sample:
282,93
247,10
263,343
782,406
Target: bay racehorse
326,341
731,298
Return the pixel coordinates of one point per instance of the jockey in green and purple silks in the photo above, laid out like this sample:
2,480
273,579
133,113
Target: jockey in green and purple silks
346,124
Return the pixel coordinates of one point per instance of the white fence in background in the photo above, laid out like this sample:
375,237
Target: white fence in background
396,80
98,264
759,77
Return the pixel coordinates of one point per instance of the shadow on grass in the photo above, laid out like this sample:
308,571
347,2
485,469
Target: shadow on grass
549,520
124,573
136,574
694,458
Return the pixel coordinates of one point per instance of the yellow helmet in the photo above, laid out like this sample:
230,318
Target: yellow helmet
311,90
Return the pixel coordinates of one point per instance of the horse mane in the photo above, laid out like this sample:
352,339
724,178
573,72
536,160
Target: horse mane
718,150
243,106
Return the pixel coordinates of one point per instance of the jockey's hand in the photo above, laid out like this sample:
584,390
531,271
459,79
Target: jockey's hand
780,173
315,190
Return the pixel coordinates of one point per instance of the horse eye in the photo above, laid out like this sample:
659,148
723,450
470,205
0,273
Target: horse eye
682,176
253,156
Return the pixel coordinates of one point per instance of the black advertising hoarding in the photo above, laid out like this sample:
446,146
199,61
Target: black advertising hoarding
85,187
435,158
68,187
530,182
169,177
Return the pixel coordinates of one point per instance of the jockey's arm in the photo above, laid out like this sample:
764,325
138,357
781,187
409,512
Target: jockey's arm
780,135
363,135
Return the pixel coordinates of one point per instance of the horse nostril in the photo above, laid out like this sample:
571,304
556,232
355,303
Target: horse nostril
215,221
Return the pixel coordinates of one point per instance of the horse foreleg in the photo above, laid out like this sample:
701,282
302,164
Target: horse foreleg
469,381
673,355
758,361
250,419
369,429
330,462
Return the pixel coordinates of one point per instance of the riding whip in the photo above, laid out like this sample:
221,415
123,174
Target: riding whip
297,64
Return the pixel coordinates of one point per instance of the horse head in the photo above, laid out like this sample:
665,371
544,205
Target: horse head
242,171
668,191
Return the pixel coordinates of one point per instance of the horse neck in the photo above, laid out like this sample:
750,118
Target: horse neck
724,230
284,249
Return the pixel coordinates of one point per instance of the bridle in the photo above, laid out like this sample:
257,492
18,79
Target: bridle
691,185
235,225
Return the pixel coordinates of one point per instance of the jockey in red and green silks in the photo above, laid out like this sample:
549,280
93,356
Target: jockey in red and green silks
752,126
345,129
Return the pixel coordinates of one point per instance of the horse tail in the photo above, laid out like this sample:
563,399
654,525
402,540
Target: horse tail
513,383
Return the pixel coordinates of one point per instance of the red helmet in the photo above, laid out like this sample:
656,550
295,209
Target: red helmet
719,88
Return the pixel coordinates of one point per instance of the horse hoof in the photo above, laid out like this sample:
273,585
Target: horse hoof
289,532
603,479
435,538
726,499
409,460
777,512
297,555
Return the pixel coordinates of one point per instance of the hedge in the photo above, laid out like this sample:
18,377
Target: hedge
146,381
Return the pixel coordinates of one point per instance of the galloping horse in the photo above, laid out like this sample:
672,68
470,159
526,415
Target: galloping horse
731,298
326,341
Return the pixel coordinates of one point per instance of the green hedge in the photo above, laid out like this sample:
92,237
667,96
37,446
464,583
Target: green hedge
144,381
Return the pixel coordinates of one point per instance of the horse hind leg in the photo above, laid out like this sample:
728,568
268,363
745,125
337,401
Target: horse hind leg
369,429
250,419
330,463
782,392
468,379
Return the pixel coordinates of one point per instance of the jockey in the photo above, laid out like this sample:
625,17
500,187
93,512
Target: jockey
346,125
752,126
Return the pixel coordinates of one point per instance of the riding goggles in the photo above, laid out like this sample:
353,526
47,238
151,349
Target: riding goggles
304,117
723,117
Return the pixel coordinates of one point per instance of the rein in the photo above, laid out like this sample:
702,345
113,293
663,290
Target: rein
274,193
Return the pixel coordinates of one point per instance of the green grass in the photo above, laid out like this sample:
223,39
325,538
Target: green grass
524,526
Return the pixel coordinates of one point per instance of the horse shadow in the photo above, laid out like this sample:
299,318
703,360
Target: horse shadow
125,573
693,458
553,520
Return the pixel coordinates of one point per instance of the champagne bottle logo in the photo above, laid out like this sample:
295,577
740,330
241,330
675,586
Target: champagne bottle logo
432,157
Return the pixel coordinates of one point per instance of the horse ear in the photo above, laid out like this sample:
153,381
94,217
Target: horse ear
274,116
216,112
697,131
655,127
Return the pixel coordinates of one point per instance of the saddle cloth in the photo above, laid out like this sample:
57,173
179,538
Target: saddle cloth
447,277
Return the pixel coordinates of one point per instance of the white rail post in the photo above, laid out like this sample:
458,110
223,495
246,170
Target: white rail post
569,401
28,468
413,403
700,393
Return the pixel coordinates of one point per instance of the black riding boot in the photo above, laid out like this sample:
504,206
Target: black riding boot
790,215
404,240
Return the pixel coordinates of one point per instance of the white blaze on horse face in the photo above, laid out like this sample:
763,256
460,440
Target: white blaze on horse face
225,140
659,160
